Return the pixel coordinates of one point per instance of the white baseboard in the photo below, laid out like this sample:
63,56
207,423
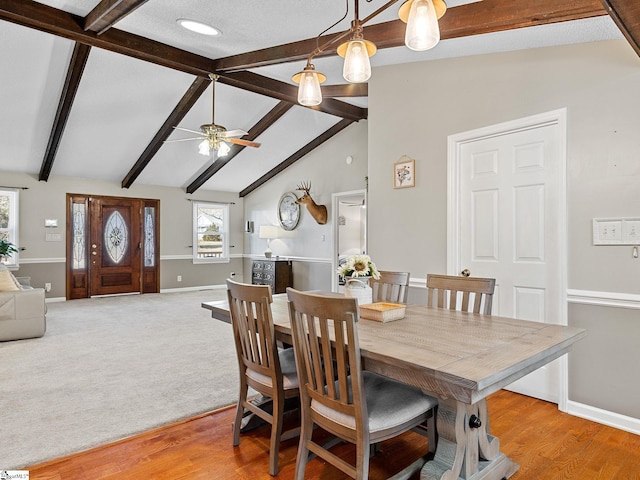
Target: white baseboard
192,289
55,299
615,420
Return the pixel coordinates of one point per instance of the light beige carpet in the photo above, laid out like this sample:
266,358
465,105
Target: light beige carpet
108,368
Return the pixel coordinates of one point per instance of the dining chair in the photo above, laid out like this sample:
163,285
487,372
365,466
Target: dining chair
442,292
356,406
265,368
391,287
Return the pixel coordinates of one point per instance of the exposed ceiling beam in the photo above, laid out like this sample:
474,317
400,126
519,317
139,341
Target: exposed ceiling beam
338,127
265,122
109,12
283,91
57,22
71,84
346,90
194,92
626,15
465,20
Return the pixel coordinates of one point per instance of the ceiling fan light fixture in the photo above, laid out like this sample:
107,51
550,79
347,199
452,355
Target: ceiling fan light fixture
223,149
356,53
421,17
309,92
198,27
203,147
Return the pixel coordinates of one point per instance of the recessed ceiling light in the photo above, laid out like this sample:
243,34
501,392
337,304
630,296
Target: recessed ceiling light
198,27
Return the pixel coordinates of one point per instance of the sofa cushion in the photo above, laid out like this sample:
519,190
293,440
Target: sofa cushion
8,282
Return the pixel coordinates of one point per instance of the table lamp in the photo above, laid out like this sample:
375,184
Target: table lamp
269,232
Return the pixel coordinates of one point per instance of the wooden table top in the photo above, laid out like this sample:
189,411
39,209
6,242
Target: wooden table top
447,353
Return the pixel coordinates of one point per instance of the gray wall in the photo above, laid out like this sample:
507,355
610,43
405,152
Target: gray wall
413,108
310,245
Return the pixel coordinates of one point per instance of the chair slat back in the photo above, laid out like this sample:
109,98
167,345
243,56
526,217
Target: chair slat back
325,339
391,287
442,292
253,331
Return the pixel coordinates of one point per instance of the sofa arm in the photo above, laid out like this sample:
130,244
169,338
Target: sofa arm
22,314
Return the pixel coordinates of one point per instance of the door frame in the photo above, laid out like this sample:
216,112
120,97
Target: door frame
78,282
335,210
454,144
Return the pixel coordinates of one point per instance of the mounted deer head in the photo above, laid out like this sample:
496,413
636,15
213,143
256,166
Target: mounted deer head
318,212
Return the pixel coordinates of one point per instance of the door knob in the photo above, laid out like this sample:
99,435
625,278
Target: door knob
466,272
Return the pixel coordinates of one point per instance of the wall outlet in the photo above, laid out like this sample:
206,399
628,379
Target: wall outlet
47,287
179,278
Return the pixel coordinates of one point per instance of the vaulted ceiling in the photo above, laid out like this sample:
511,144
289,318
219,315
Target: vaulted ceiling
93,89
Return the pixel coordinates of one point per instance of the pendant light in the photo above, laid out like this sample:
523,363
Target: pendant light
421,17
422,33
356,53
309,93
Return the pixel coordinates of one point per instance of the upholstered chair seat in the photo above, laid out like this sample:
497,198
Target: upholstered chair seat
389,404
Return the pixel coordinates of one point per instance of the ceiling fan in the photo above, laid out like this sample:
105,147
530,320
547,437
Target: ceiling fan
215,138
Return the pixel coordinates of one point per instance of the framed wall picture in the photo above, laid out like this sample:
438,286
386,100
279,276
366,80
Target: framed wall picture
404,173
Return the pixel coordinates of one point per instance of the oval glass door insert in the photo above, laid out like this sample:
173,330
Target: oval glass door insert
115,237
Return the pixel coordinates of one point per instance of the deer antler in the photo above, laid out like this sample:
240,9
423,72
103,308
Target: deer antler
304,186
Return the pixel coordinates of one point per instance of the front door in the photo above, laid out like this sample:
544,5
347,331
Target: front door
112,246
511,225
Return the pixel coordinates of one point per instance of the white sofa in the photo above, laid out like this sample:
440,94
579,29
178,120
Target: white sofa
22,309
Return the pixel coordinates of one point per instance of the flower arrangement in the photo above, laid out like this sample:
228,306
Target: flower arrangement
359,266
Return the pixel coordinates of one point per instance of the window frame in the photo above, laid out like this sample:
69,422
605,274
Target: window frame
224,257
12,228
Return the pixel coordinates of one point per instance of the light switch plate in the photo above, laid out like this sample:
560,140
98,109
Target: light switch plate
616,231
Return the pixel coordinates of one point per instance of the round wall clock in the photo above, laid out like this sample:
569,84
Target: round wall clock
288,211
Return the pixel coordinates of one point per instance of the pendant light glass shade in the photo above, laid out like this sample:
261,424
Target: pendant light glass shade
309,93
357,67
422,31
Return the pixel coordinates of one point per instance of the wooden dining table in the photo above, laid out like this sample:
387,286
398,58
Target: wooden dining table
458,357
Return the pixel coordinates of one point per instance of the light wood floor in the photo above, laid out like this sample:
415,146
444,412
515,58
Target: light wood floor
547,444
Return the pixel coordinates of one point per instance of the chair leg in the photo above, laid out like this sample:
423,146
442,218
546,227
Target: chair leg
237,423
363,450
306,430
276,432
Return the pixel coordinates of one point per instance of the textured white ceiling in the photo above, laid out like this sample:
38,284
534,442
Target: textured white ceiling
122,102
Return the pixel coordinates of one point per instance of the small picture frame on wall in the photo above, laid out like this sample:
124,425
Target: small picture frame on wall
404,173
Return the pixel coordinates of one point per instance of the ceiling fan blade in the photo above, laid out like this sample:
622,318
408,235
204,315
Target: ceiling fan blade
190,131
235,133
183,139
246,143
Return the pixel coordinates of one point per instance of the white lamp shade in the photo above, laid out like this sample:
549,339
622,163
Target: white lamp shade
268,231
223,149
357,67
203,147
422,31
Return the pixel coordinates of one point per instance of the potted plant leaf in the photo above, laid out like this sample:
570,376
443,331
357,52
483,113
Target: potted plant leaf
6,249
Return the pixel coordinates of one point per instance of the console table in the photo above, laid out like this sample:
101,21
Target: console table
278,274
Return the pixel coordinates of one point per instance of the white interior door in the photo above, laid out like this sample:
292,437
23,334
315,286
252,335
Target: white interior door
511,224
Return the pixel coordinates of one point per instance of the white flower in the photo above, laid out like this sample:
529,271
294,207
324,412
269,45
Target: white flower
359,266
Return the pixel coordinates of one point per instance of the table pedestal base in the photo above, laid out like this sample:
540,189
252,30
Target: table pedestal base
466,450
